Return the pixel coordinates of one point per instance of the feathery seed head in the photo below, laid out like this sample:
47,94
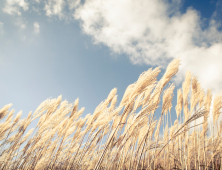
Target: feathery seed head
217,105
111,95
75,107
146,79
179,102
167,98
19,114
171,70
127,93
186,86
4,111
113,103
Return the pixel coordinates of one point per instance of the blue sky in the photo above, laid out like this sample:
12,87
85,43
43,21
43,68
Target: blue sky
84,49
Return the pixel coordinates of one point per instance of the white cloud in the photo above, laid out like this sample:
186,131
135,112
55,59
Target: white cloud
13,6
36,27
54,7
155,32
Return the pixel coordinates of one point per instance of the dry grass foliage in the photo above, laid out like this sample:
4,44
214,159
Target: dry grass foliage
119,137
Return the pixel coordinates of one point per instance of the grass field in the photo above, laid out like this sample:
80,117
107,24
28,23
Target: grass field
123,137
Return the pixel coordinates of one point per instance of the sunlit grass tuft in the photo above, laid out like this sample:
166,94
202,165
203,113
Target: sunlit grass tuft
119,137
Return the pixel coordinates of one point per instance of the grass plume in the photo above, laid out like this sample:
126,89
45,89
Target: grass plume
120,137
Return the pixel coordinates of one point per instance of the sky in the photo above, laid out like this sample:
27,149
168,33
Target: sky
85,48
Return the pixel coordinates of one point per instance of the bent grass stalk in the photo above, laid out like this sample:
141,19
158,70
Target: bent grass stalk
115,140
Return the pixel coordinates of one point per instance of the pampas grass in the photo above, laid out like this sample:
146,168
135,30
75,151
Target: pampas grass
123,137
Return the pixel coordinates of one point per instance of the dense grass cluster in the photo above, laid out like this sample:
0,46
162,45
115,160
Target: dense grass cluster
119,137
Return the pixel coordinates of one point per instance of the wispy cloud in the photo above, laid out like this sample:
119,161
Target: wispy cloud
36,27
13,6
73,3
154,32
1,28
54,7
21,23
